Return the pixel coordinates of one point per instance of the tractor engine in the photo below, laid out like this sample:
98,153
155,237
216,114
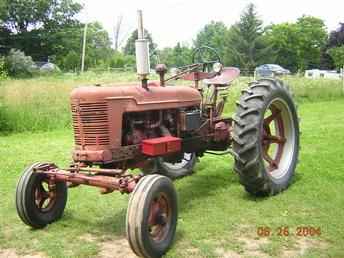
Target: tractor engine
111,121
139,126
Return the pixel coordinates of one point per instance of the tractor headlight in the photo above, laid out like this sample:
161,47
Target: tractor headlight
217,67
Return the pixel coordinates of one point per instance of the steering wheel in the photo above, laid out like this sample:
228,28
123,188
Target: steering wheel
205,55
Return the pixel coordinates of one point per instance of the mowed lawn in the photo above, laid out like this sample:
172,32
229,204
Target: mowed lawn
217,218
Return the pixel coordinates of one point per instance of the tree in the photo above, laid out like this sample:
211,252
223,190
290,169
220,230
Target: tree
336,38
129,48
177,56
213,35
98,49
66,46
337,54
23,16
283,39
49,30
311,38
35,27
298,46
70,62
5,40
119,60
246,46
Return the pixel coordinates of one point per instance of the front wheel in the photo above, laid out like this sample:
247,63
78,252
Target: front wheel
152,216
266,137
39,201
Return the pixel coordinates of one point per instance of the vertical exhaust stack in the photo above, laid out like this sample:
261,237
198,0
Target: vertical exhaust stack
142,52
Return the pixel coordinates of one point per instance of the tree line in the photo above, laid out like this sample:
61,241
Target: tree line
48,30
304,44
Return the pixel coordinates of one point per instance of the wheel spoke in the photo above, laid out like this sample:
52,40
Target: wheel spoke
44,198
154,210
43,192
267,129
41,202
272,163
275,139
41,197
274,114
158,217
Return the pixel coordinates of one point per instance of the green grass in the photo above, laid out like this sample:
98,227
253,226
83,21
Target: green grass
42,104
215,213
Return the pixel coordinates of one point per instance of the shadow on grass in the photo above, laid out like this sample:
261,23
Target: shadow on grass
201,186
110,223
197,187
206,182
247,196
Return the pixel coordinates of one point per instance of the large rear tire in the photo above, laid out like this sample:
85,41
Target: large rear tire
152,216
38,201
266,137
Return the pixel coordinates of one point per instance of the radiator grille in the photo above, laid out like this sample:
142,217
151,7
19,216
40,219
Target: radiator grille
90,123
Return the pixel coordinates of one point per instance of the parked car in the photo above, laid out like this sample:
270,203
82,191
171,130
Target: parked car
45,67
271,70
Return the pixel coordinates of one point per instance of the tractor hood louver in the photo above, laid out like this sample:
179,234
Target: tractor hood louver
90,123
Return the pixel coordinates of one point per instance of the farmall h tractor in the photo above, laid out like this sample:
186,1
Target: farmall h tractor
163,130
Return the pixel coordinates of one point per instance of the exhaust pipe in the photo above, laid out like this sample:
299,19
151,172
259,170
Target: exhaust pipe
142,52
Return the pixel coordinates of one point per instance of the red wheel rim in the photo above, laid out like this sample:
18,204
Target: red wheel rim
278,138
275,132
45,195
270,137
159,219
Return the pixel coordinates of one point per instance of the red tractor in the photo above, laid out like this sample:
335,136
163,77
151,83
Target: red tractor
163,130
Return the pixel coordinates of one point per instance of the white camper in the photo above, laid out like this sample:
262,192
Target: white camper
316,73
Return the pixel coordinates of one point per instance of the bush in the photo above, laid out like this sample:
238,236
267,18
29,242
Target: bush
18,64
119,60
337,54
3,72
70,62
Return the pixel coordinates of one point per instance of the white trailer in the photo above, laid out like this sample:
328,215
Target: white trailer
316,73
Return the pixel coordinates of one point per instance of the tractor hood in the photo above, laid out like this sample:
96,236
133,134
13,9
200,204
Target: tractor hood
97,112
134,95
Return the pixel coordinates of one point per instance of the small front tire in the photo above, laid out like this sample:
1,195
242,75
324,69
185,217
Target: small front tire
152,216
39,201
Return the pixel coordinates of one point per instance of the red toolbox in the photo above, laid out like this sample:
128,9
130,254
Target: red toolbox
161,146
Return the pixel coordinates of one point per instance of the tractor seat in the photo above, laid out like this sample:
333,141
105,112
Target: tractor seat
227,75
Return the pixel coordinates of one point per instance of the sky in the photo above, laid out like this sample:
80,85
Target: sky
172,21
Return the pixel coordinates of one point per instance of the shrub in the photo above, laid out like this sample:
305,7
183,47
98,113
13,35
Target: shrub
3,72
119,60
337,54
70,62
18,64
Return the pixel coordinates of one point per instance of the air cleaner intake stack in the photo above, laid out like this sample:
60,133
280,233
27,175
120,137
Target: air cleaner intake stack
142,52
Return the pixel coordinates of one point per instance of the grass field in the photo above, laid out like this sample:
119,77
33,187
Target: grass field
217,218
42,104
